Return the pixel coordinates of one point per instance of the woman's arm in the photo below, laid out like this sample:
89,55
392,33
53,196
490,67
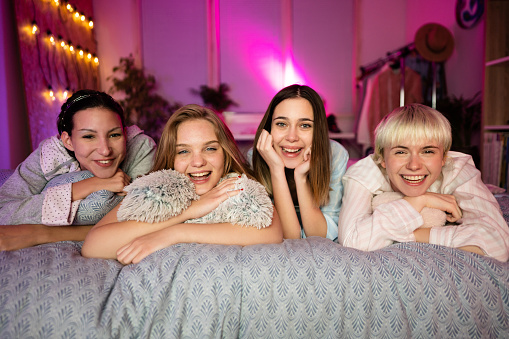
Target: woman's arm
482,224
109,234
21,196
15,237
223,234
281,192
333,207
313,220
363,228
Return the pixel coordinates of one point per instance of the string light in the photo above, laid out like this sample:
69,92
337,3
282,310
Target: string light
66,45
51,38
51,94
35,28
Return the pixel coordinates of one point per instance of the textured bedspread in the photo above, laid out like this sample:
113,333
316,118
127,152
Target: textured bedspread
310,288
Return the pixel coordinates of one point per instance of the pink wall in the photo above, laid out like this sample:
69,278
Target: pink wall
14,136
464,69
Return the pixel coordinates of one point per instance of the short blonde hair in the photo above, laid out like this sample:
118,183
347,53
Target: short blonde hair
412,124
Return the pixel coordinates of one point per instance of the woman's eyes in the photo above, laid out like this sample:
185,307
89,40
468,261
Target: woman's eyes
306,126
92,136
280,124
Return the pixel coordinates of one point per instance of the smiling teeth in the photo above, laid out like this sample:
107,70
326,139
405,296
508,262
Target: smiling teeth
104,161
199,174
414,177
291,150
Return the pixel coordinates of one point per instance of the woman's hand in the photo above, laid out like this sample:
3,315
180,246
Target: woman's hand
443,202
141,247
303,168
211,200
116,183
266,148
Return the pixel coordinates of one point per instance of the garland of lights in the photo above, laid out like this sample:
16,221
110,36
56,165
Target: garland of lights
65,46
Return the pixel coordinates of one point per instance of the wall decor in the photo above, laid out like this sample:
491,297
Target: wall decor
58,54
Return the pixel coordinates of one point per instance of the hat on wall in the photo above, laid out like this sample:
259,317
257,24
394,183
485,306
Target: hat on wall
434,42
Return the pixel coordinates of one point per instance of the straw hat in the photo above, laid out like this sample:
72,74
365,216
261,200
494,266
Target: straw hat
434,42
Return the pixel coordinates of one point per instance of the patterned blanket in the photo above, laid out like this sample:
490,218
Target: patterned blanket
308,288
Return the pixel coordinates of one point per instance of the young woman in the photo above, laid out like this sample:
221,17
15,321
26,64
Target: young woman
196,143
412,157
298,164
92,137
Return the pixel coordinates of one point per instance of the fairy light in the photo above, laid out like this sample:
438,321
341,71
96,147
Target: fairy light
65,94
35,28
66,45
51,94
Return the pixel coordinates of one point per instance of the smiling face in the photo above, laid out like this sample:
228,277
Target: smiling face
292,130
97,140
412,169
199,154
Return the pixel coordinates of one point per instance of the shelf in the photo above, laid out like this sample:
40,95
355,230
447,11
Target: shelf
497,61
496,128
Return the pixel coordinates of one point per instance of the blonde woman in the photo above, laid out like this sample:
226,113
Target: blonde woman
413,157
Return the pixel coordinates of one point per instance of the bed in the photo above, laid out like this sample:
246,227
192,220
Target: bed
308,288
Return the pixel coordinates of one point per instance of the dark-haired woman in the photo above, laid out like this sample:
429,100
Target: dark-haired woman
298,164
85,167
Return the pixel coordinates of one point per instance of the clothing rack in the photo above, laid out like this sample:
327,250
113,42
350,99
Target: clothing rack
394,56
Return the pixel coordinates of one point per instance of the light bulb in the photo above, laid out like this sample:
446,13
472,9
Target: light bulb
91,24
35,29
69,8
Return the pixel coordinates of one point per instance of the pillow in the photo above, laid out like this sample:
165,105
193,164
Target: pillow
164,194
251,207
432,217
157,196
95,206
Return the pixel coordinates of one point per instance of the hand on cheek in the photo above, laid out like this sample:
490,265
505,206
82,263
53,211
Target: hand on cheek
265,146
303,168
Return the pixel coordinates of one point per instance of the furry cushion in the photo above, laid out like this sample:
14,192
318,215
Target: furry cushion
163,194
432,217
157,196
251,207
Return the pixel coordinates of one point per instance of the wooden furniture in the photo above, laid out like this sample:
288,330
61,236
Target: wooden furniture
496,73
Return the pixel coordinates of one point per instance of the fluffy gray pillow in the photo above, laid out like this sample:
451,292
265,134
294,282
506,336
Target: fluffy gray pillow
164,194
251,207
157,196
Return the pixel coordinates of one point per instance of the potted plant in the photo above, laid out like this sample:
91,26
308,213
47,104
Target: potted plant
142,106
216,99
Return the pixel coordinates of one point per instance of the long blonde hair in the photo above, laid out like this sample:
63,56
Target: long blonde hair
166,149
319,172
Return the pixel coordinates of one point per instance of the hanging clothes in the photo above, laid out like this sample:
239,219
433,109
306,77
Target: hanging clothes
385,94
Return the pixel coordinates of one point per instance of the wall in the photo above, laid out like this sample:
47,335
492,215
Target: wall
377,29
388,25
14,135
